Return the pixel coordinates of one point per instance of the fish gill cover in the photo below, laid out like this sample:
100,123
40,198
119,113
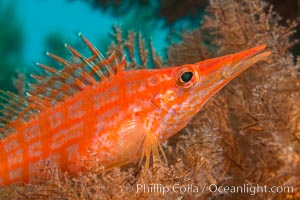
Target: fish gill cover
249,133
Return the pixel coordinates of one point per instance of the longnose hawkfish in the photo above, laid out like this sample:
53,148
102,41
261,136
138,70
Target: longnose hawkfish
98,104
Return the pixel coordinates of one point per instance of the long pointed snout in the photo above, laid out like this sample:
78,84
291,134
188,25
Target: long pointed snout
215,73
233,64
245,59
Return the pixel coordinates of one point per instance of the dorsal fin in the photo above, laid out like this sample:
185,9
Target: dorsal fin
76,74
15,111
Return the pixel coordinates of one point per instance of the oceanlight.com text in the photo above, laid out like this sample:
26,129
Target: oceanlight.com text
212,188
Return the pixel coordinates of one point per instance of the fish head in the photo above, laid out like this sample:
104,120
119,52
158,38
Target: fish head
192,85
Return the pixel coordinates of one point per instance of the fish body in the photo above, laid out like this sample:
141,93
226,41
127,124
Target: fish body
97,104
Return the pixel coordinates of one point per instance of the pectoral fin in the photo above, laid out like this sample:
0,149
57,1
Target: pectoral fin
136,142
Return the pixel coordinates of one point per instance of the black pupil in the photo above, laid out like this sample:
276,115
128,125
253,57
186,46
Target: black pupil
186,76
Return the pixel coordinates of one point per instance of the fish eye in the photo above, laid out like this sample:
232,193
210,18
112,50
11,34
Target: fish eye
186,77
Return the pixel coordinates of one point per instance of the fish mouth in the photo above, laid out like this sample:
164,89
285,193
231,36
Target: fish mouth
243,60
